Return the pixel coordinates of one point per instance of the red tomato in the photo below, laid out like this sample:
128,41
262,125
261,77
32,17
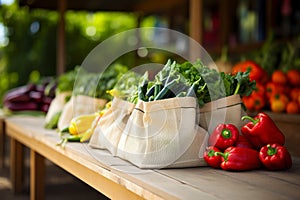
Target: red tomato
257,73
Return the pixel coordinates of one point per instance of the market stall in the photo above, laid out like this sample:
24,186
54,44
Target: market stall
187,130
171,131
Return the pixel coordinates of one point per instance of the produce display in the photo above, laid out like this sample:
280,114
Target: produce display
258,144
136,94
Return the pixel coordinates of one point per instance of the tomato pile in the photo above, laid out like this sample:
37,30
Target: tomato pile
279,92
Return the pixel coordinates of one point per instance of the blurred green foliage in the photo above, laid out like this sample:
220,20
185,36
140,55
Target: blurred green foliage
32,40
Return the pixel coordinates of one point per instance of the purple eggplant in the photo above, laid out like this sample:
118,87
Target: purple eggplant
40,88
36,96
45,108
19,93
21,106
47,100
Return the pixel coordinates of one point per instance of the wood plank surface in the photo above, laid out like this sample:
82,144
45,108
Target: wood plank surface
119,179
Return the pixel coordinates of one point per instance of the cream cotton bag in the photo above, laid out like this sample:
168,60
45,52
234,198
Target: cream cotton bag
164,134
225,110
79,105
158,134
111,126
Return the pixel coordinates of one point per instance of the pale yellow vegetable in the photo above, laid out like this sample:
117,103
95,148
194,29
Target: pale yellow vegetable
81,123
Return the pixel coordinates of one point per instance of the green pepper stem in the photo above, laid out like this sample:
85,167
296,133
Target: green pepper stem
226,133
211,153
271,150
254,121
224,155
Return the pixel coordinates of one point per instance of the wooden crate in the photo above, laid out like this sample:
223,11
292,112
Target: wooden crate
289,124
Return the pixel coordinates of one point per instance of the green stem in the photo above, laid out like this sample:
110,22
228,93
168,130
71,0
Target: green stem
271,150
65,130
254,121
191,90
211,153
224,155
237,89
226,133
166,88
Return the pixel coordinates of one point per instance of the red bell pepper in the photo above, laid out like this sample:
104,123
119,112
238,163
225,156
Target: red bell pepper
243,142
211,158
239,159
261,130
275,157
223,136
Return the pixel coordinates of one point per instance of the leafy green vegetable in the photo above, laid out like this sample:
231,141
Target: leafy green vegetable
186,79
244,86
127,87
66,81
97,84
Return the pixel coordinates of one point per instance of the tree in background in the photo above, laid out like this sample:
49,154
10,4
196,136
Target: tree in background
31,38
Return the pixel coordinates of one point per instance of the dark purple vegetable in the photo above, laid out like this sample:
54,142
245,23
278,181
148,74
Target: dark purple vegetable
17,98
21,106
19,93
36,96
45,108
47,100
40,88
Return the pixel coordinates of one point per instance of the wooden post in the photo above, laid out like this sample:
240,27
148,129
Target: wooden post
225,24
37,176
61,46
16,165
196,28
269,17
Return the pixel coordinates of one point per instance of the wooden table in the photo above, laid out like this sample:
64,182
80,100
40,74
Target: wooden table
2,141
118,179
